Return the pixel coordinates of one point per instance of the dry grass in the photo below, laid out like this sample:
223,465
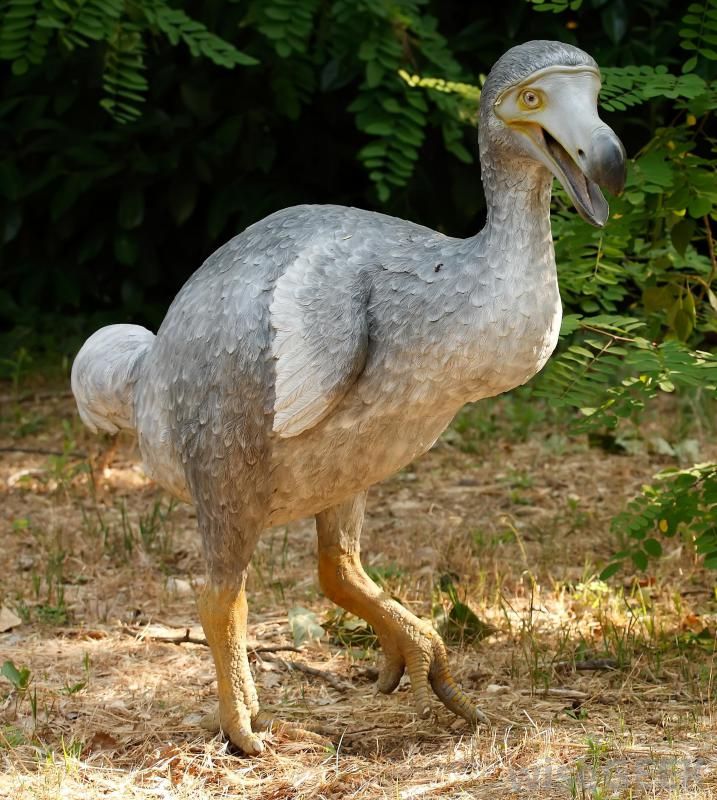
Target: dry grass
520,528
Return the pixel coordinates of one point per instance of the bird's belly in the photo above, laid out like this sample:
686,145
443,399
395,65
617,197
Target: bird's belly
328,464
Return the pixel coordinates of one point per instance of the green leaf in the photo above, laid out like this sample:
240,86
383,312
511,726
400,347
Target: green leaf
699,206
610,570
658,298
652,547
125,249
682,316
304,625
374,73
712,299
464,625
681,235
570,323
19,678
379,129
639,559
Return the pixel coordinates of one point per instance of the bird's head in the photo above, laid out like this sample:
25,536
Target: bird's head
539,103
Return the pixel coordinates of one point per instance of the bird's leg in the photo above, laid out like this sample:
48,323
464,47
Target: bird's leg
408,642
223,613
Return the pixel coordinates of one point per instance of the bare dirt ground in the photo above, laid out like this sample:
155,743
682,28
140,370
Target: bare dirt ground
99,568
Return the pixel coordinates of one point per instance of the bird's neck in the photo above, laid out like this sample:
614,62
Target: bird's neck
513,313
517,229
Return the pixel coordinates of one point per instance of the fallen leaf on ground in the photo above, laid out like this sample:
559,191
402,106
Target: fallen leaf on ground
101,741
8,619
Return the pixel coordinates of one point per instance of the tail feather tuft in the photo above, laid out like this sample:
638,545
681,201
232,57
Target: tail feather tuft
104,374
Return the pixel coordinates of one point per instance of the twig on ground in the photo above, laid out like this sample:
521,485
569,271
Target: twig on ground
194,635
589,664
158,633
186,636
565,694
332,680
275,648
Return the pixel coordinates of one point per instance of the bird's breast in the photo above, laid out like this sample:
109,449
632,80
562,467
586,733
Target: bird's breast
483,331
511,342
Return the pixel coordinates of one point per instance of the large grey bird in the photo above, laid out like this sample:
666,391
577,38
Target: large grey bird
325,347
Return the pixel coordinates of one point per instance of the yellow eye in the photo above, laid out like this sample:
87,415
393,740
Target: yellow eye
530,98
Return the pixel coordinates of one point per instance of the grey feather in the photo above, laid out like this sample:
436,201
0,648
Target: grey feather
320,339
104,375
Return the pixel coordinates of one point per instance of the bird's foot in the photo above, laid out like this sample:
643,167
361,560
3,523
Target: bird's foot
413,645
262,721
409,643
239,733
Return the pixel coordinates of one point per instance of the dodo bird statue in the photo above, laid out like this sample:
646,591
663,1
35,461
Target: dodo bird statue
325,347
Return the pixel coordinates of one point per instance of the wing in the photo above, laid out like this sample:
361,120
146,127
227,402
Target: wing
319,316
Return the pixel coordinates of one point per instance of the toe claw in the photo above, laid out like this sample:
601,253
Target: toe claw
245,740
251,744
480,717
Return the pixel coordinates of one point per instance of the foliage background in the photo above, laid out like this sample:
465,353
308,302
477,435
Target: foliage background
136,136
104,219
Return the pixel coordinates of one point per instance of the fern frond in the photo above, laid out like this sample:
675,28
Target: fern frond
699,33
178,26
386,109
288,24
79,22
123,80
631,86
591,265
611,377
23,37
398,125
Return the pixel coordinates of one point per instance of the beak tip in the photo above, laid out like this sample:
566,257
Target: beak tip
610,162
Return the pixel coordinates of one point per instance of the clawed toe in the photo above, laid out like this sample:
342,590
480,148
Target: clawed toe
288,730
246,740
238,734
263,722
419,648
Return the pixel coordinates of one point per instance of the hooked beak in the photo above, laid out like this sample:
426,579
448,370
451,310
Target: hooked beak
598,163
568,137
